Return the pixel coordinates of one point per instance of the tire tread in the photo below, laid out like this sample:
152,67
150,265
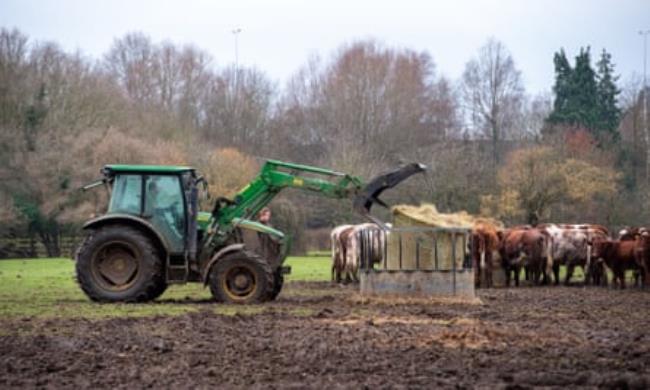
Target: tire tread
152,286
268,282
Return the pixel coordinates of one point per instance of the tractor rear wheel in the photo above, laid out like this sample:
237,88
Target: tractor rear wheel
117,263
241,277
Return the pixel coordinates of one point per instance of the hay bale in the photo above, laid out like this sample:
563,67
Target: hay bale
427,215
429,243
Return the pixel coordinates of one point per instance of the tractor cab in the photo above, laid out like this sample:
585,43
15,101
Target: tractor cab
166,197
161,202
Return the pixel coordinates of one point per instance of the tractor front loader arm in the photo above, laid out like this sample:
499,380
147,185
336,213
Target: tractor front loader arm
277,175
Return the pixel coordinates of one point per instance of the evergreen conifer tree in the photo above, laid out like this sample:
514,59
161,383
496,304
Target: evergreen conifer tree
583,102
609,113
562,88
585,98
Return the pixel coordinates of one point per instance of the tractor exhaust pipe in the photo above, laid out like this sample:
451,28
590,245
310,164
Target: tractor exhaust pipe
370,193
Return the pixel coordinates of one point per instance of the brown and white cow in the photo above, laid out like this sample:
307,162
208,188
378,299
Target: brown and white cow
527,247
339,250
353,250
346,249
485,252
370,244
571,245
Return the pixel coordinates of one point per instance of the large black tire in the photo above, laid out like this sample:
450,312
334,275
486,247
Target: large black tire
241,277
160,289
277,285
118,263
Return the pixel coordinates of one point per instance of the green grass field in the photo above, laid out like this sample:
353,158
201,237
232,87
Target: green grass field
46,288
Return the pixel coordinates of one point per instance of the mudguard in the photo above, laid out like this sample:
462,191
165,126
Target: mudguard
223,251
129,220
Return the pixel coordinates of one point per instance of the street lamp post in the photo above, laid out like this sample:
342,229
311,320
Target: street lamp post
645,54
645,102
236,34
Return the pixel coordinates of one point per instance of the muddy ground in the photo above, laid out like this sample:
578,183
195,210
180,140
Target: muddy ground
322,336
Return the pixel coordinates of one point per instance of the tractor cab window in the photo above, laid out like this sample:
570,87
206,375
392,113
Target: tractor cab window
165,209
127,195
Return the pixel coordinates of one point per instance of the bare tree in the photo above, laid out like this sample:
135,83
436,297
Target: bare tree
167,69
237,108
195,76
492,93
631,128
132,61
369,103
377,99
536,110
181,77
13,76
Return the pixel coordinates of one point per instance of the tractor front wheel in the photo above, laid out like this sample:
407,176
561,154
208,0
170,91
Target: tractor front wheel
241,277
117,263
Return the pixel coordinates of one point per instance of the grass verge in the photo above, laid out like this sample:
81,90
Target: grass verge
46,288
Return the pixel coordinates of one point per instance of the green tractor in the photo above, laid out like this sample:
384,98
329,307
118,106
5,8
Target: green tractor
153,234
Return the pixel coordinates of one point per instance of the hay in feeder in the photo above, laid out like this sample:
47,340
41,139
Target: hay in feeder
428,215
441,250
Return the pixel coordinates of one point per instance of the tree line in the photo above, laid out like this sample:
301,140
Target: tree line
580,154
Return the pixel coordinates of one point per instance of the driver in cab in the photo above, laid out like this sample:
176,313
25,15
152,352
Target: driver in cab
161,206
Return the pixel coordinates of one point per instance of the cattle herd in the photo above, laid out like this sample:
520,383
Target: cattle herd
542,249
538,250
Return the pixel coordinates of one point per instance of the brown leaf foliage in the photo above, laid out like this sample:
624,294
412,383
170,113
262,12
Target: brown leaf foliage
535,179
228,170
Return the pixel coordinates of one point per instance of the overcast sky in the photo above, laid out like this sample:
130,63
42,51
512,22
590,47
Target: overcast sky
279,36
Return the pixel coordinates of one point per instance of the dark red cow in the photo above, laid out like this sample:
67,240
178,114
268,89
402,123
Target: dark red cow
642,257
618,255
525,248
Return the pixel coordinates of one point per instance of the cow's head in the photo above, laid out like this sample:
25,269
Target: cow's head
644,238
601,247
628,234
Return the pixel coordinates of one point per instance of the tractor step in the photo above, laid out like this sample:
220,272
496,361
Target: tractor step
177,269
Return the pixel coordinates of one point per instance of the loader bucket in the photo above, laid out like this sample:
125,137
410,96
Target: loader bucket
370,193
